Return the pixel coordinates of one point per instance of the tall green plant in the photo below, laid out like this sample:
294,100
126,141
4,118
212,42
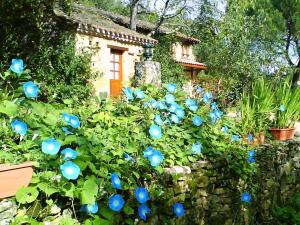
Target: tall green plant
287,103
256,106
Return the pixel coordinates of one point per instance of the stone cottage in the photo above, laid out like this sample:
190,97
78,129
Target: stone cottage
116,49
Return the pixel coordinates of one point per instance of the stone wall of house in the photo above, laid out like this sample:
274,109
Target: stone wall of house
211,194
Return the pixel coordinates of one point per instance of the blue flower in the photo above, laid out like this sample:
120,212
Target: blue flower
252,153
213,117
214,106
152,103
31,90
161,105
175,119
193,108
67,132
116,203
158,120
143,210
197,121
171,88
128,157
180,113
148,151
218,113
282,108
139,94
72,120
17,66
155,131
207,97
141,195
235,137
170,98
156,158
128,93
190,102
50,146
199,90
19,127
178,209
70,170
90,208
246,197
167,121
197,148
250,160
116,182
225,129
173,107
250,138
69,153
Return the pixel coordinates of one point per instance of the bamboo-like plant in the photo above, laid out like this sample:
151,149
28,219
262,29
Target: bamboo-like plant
256,106
287,104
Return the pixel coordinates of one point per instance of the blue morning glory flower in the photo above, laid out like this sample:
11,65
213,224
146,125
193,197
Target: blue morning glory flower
70,170
17,66
116,203
175,119
158,120
155,131
190,102
213,117
143,210
250,160
19,127
66,117
67,132
128,157
171,88
252,153
235,137
30,89
218,113
50,146
197,148
89,208
250,137
180,113
148,151
246,197
116,182
167,121
282,108
128,93
193,108
178,209
139,94
152,103
207,97
225,129
199,90
214,106
170,98
173,107
69,154
141,195
74,121
156,158
197,121
161,105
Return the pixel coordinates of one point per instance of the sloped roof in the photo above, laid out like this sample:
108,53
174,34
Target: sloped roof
92,22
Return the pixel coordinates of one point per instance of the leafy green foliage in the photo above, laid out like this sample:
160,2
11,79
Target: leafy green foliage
108,131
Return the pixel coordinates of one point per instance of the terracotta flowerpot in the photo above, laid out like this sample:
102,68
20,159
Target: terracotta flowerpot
282,134
13,177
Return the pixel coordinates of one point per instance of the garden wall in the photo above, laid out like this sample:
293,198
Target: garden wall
211,194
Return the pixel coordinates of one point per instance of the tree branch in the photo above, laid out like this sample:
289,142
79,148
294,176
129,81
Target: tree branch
288,43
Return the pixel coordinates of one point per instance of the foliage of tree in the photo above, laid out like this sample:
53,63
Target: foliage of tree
32,32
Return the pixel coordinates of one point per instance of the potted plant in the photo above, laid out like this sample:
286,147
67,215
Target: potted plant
256,104
287,104
13,177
